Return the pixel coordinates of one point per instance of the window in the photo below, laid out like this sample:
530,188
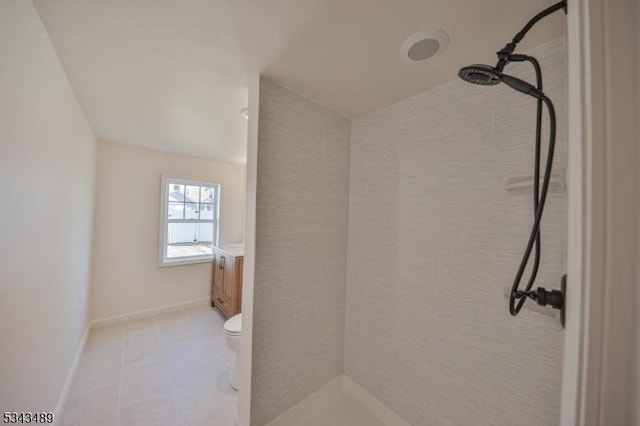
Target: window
190,220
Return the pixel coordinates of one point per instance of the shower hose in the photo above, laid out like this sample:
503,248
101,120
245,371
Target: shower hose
539,197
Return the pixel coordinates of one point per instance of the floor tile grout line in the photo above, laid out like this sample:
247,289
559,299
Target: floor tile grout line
121,374
163,356
191,325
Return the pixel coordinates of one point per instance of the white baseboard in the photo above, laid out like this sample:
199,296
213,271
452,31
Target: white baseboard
64,395
119,319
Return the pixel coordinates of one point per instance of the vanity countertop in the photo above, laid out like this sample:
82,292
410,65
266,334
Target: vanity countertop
235,250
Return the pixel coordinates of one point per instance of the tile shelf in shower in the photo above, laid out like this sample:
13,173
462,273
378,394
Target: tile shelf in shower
523,185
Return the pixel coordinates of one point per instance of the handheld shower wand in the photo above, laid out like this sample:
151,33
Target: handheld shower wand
487,75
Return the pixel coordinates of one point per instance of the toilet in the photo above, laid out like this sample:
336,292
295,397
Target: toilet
232,336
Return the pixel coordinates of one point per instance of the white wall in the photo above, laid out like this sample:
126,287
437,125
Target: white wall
126,275
302,201
636,41
434,240
47,170
637,109
621,281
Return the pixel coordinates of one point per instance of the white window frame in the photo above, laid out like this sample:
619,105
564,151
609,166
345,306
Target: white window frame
164,261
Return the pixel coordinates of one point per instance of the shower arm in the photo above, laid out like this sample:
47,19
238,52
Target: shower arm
506,55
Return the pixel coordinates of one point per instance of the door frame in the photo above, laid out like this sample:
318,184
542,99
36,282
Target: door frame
585,211
248,274
599,347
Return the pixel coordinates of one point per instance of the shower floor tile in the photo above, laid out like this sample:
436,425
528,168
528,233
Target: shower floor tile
338,404
345,411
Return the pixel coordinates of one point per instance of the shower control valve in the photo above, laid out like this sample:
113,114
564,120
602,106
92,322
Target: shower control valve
552,298
544,297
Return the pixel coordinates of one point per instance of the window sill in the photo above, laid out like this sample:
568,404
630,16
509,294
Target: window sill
181,262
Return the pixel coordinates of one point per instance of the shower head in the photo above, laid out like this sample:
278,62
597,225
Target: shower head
484,75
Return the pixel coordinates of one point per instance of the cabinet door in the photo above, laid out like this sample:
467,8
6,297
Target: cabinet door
218,274
238,278
228,285
220,279
213,280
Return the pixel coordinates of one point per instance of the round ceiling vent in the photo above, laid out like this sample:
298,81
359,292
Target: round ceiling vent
424,45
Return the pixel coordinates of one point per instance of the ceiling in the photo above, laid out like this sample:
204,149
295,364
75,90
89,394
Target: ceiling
172,75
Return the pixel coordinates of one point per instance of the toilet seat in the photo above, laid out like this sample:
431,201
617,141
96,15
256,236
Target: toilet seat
233,326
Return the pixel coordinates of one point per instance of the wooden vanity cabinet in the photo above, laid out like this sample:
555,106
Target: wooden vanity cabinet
226,282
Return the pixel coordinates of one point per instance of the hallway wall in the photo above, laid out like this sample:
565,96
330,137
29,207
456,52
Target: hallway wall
47,169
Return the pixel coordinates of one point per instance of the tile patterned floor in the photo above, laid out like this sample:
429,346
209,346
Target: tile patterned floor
169,369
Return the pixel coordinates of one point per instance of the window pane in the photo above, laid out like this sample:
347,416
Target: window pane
175,211
207,211
191,211
176,192
193,193
207,194
189,239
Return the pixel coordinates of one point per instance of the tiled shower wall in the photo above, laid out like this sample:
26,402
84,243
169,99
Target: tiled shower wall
301,250
434,240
